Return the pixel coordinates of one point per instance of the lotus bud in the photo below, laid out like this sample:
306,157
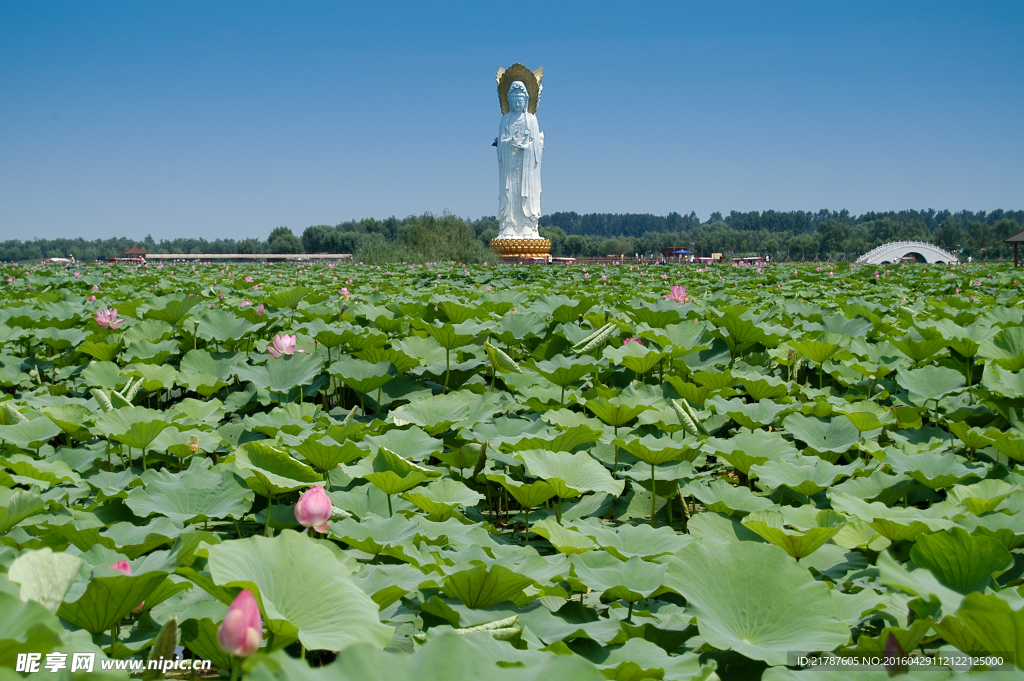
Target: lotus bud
123,566
241,632
314,509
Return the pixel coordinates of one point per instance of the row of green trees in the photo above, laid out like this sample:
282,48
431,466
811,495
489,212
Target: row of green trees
794,235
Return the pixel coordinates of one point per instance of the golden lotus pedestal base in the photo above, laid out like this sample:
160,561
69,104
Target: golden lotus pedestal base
521,248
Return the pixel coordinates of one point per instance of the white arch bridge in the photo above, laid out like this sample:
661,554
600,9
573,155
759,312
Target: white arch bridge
895,250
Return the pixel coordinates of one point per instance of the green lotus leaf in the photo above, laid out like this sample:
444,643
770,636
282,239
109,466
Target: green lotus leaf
1012,447
197,494
281,375
750,448
566,540
173,308
635,357
362,376
154,376
867,415
299,581
738,332
529,495
16,505
930,383
981,497
482,586
995,624
615,411
570,475
148,330
628,541
891,522
29,628
679,339
107,600
448,656
441,498
973,438
934,471
630,580
807,475
270,471
374,535
755,599
563,371
222,326
816,351
836,434
721,497
567,440
920,350
435,414
963,562
410,443
30,434
136,427
151,353
858,534
762,387
179,442
44,576
324,454
200,636
658,450
104,352
392,474
796,541
1005,349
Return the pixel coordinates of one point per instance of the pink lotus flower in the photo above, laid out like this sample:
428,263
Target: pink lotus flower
677,294
260,310
633,340
241,632
246,303
123,566
10,280
284,344
107,319
489,287
90,299
344,293
976,282
95,287
314,509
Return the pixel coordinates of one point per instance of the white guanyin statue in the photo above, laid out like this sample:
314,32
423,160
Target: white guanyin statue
520,149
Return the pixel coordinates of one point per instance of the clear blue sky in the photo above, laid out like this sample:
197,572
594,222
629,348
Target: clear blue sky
226,119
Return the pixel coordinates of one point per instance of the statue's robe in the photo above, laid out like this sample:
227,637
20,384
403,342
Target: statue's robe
519,175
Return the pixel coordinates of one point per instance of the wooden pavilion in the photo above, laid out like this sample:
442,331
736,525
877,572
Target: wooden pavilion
1016,240
135,252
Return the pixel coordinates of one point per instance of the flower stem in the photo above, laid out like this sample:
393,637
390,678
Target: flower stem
266,524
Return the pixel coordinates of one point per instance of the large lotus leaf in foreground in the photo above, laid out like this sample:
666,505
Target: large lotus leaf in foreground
44,576
107,600
756,600
299,581
449,657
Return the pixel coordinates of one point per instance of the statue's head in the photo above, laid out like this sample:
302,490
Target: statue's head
518,97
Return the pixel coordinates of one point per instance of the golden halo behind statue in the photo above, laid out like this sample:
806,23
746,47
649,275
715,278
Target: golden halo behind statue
531,79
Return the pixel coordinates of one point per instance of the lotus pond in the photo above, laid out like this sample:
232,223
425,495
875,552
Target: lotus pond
524,472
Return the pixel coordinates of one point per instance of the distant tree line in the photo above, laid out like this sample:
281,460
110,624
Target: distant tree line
792,235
